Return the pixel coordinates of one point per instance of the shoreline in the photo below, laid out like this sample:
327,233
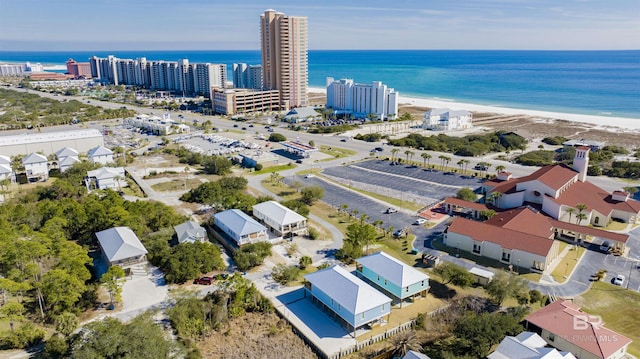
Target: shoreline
596,122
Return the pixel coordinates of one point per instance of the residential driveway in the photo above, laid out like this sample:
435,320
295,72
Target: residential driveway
142,293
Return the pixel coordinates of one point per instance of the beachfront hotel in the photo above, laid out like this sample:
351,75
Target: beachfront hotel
284,57
178,76
247,76
362,100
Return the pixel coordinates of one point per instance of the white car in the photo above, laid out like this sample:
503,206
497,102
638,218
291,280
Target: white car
420,221
618,280
310,175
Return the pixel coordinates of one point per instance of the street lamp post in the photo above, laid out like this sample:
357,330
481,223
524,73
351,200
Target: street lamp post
566,270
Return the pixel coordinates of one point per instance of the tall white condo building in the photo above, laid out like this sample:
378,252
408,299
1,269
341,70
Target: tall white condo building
362,100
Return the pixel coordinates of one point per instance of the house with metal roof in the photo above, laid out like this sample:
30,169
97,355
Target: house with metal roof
280,219
394,278
101,155
6,171
190,232
106,178
67,157
241,228
564,326
412,354
121,247
527,345
347,298
36,167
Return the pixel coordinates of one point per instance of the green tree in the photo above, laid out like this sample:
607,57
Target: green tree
425,157
311,194
570,211
284,274
454,274
61,290
505,285
277,137
466,194
113,282
404,342
305,261
66,323
109,338
477,333
217,165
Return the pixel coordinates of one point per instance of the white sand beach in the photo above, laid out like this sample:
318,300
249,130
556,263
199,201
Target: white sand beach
602,122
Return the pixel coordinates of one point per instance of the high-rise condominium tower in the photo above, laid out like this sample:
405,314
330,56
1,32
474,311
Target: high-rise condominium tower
284,56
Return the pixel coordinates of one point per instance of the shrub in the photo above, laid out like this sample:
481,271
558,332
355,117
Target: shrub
305,261
27,335
313,233
284,274
258,166
277,137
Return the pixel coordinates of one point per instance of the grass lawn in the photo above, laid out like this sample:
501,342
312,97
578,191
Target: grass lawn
618,308
568,263
272,169
176,185
616,226
335,153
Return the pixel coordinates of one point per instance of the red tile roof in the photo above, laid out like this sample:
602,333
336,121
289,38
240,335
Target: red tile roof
566,321
595,198
554,176
619,237
504,237
466,204
523,220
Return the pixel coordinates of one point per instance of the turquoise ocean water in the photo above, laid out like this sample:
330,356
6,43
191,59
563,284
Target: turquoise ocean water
605,83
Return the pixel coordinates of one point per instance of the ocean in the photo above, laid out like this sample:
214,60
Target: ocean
605,83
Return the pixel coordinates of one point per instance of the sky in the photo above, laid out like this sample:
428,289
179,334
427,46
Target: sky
85,25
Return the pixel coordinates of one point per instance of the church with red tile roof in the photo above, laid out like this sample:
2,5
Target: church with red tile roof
564,194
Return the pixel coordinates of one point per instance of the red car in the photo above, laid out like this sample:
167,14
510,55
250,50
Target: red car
204,281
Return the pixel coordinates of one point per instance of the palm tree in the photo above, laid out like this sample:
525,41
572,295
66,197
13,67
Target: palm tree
581,207
466,164
460,164
495,196
571,211
411,153
581,216
393,153
447,160
404,342
407,152
500,168
425,157
442,158
344,207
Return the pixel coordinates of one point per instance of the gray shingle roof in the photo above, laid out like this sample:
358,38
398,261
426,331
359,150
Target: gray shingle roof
120,243
106,173
239,222
189,231
279,213
68,161
99,151
34,158
349,291
5,169
392,269
66,152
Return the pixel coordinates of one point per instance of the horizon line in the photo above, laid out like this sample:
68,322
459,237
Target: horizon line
416,49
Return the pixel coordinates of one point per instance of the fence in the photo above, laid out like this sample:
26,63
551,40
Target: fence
360,345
